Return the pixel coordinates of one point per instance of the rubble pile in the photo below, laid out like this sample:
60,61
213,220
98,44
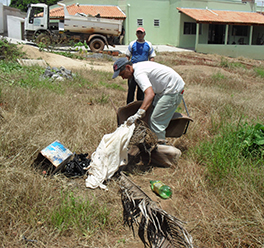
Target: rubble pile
56,74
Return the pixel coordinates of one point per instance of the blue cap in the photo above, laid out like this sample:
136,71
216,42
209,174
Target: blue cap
117,66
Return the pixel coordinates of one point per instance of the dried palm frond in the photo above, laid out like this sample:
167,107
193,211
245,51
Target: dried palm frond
161,229
143,139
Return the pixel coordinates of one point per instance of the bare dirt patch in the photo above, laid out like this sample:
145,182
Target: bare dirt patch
55,60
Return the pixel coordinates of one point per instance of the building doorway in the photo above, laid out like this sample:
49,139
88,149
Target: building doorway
216,34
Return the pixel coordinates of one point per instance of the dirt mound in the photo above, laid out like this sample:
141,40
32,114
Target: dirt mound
55,60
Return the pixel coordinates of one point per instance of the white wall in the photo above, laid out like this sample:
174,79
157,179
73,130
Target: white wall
14,27
1,18
9,11
5,2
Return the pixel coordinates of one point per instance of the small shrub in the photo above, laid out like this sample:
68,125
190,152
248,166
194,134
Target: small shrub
42,46
9,51
252,140
80,44
9,66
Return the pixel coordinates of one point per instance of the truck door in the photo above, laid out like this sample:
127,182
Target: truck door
36,18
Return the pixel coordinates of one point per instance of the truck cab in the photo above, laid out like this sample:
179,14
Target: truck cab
36,22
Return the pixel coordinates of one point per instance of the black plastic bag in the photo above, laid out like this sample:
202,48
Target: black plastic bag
75,167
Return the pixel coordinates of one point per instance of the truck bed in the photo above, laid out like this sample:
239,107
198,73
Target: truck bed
83,24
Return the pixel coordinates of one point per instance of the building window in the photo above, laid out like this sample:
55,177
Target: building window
239,30
190,28
140,22
156,22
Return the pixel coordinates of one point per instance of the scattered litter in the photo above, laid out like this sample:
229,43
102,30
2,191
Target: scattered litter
56,158
57,74
52,158
77,166
28,240
156,228
109,156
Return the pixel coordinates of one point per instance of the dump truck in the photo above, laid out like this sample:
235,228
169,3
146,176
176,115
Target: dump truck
97,32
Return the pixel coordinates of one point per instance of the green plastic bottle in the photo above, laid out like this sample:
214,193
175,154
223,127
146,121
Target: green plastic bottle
161,189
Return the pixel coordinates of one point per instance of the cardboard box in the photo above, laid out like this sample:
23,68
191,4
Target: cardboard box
52,158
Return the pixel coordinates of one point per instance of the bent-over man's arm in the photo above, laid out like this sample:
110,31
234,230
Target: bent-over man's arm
148,98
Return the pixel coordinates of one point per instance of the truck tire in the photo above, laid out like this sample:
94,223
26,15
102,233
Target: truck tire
96,45
44,38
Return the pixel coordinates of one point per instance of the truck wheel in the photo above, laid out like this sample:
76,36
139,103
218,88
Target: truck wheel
96,45
44,38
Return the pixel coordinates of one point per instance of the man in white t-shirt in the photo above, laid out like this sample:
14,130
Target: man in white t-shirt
160,84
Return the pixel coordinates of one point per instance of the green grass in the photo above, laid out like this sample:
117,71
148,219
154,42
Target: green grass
81,215
101,100
226,156
218,76
225,63
114,86
259,71
9,66
27,77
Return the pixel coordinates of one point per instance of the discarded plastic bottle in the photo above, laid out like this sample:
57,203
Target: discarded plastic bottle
161,189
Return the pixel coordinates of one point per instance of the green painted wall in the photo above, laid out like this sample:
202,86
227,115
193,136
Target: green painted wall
186,40
148,11
235,51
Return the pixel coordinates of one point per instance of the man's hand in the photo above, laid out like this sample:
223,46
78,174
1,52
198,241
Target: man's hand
140,113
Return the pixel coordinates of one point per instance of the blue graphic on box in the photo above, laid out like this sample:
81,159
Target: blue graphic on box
56,153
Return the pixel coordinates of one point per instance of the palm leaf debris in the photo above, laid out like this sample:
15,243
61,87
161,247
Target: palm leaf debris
142,142
156,228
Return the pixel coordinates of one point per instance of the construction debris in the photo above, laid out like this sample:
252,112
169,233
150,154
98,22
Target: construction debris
56,74
31,62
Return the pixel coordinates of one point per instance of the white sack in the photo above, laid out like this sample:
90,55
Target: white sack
109,155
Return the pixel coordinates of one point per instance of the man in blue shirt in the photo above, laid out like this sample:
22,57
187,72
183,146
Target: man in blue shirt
138,50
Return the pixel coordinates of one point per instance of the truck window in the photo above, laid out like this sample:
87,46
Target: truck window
36,12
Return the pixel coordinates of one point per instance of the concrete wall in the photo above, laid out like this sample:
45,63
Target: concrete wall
11,12
186,40
15,27
252,52
149,11
1,18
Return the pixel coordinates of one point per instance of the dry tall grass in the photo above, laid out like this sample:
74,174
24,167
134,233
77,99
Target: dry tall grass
82,113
